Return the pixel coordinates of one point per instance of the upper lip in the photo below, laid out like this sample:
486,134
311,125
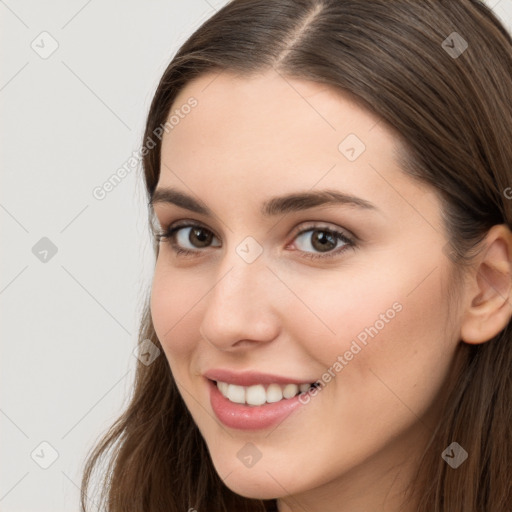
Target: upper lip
250,378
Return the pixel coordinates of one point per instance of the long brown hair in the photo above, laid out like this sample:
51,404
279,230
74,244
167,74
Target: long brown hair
451,107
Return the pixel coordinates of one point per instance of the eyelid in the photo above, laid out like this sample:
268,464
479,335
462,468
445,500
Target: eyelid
322,225
301,227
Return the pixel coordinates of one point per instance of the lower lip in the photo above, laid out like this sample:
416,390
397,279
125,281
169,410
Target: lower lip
250,417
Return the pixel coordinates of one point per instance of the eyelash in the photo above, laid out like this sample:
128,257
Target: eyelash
168,235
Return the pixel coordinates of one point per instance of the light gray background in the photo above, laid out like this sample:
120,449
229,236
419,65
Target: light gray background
69,324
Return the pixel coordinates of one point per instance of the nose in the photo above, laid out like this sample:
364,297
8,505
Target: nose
241,308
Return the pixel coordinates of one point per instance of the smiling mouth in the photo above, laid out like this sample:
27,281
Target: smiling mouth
260,394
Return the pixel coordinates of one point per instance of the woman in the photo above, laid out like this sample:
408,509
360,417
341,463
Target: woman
329,322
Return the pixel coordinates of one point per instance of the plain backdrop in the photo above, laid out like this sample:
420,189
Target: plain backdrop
76,81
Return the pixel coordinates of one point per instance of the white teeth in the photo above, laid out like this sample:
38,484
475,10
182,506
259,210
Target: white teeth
223,386
290,390
274,393
257,394
236,393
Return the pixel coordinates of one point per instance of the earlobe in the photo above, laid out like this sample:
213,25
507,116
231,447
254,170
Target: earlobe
489,305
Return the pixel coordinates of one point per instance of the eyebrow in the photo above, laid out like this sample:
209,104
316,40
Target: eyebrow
278,205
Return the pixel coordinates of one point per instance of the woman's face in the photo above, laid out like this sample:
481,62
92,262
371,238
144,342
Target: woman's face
349,291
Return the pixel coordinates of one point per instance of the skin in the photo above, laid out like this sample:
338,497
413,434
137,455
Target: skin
355,445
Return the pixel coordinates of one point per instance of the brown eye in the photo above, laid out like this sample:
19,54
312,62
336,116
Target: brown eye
189,239
322,240
186,239
201,235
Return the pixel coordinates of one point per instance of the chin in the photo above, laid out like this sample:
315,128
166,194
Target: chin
254,483
259,486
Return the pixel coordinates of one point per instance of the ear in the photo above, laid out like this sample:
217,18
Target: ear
489,306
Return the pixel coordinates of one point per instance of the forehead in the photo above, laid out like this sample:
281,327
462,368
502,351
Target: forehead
280,111
251,136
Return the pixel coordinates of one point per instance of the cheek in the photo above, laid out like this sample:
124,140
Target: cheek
343,313
175,297
387,323
393,336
